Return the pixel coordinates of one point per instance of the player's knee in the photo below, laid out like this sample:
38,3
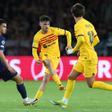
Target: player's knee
45,81
47,63
90,84
18,79
71,77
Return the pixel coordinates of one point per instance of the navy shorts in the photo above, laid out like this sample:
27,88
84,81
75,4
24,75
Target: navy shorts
5,74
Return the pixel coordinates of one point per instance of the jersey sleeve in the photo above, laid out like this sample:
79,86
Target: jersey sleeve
35,47
59,31
96,39
35,41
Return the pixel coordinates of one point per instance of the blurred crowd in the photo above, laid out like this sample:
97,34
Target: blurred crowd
23,15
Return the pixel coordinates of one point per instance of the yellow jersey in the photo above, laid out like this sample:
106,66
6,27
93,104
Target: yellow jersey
49,41
86,29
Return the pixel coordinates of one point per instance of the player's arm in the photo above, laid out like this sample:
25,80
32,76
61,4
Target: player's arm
34,53
80,41
2,56
96,40
5,62
79,34
60,31
95,36
34,48
3,59
68,36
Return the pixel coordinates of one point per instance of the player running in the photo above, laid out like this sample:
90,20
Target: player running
6,71
87,62
47,39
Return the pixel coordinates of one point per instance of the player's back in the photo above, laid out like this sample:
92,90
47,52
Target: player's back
86,29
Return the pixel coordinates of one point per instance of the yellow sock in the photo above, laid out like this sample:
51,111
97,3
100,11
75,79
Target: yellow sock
39,94
69,88
102,85
56,79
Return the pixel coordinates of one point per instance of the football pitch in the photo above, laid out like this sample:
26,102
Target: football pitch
83,99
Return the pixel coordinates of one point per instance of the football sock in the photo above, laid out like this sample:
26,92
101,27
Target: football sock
56,79
22,90
69,88
38,94
102,85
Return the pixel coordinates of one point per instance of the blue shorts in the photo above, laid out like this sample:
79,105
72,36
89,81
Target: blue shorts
5,74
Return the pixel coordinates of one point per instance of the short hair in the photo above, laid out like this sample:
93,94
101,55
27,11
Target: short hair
78,10
2,21
44,18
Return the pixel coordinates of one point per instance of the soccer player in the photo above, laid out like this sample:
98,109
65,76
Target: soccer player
47,39
6,71
87,62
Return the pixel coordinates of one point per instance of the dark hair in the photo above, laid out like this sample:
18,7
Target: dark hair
78,10
2,21
44,18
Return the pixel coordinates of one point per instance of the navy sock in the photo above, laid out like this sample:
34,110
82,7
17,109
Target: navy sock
22,90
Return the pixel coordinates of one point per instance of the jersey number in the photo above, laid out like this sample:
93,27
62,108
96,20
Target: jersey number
91,36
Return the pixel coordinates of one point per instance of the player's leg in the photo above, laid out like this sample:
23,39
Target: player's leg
98,84
51,65
42,88
90,81
20,86
69,89
90,71
22,90
13,75
70,85
76,71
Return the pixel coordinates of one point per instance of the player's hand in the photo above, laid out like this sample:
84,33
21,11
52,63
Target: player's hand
38,61
68,47
69,51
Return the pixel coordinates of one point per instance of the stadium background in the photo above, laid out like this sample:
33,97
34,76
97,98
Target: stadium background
22,17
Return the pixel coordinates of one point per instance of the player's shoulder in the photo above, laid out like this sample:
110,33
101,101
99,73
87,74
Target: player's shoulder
53,28
37,33
82,23
2,38
89,23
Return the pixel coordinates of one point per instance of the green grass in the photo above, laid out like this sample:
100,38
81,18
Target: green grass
83,99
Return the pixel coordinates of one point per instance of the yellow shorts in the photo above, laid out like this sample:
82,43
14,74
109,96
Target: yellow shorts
54,62
88,67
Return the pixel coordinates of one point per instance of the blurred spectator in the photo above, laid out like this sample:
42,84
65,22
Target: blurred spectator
22,16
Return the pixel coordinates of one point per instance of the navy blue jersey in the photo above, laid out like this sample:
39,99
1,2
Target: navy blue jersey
5,74
2,43
2,47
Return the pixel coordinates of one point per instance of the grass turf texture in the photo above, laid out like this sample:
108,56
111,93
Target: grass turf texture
83,99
